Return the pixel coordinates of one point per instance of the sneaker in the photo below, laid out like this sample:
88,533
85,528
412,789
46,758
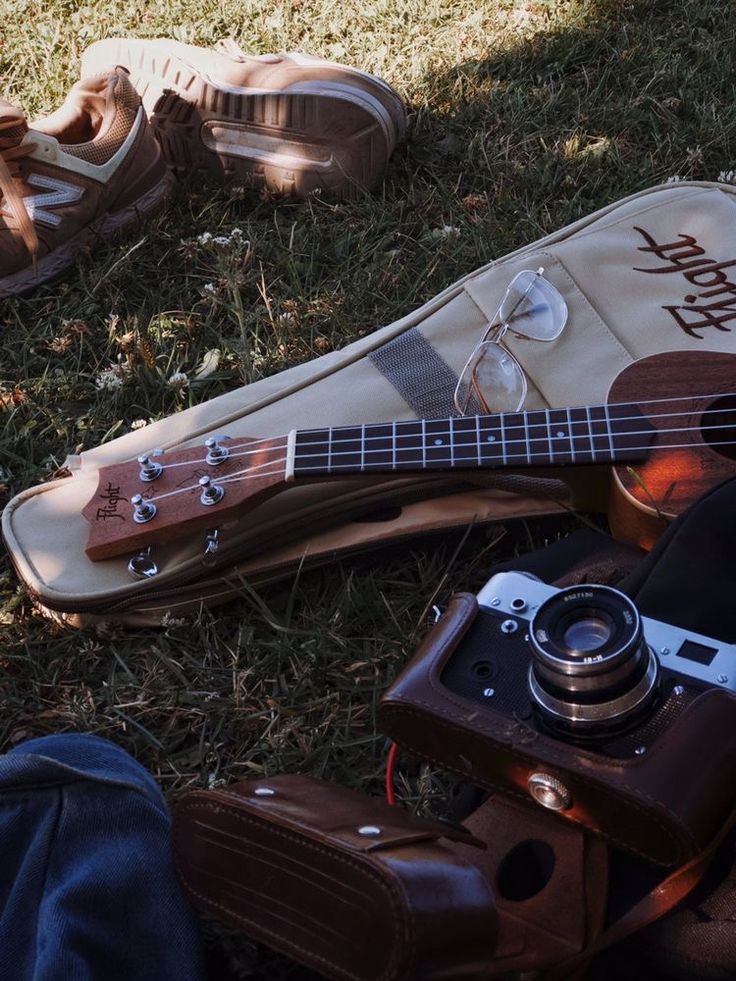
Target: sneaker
90,169
288,122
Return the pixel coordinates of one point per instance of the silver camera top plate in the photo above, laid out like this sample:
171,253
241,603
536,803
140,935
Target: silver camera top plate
518,595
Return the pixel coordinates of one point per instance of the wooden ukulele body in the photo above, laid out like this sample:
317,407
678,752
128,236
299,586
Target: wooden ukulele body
684,461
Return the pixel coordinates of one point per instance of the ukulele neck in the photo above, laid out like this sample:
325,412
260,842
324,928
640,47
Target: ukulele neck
545,437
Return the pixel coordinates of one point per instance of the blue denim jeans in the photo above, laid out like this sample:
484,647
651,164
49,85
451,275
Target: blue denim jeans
87,885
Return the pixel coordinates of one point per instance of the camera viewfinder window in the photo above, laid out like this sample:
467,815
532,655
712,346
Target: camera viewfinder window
697,652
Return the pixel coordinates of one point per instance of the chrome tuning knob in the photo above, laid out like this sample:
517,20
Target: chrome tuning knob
150,469
216,452
211,493
143,510
211,545
142,566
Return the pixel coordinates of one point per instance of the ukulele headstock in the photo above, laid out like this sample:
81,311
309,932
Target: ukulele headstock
161,496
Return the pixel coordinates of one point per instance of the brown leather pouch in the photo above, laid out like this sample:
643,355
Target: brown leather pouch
636,803
340,882
359,890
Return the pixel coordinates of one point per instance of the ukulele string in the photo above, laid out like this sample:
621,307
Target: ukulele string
249,452
367,436
588,437
602,406
252,473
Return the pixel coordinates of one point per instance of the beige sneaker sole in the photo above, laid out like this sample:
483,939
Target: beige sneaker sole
60,259
315,135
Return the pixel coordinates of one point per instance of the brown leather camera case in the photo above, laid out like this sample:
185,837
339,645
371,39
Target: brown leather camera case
343,883
664,806
361,891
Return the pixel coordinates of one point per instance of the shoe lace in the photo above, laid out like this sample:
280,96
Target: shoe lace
11,151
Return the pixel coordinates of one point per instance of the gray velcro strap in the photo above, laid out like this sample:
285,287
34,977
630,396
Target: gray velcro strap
420,376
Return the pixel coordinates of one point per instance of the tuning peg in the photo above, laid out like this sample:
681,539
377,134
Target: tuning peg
143,510
211,545
142,566
216,452
150,469
211,493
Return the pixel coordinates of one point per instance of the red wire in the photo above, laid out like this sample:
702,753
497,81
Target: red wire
390,763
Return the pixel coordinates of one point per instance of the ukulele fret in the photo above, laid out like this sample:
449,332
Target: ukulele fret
568,417
601,437
410,454
550,445
465,443
491,441
609,432
590,433
438,444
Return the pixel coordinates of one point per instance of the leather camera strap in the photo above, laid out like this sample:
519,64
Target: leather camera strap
657,903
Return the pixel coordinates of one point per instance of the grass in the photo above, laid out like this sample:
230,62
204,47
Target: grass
524,117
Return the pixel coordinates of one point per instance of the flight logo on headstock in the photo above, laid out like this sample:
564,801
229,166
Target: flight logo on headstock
112,497
712,301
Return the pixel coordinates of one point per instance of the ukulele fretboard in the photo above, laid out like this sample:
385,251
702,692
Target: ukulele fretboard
542,437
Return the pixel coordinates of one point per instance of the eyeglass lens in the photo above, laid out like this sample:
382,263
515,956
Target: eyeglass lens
533,307
492,380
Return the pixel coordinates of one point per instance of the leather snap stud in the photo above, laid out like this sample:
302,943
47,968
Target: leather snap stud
549,791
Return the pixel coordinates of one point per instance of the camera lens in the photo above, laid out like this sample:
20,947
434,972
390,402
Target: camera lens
592,672
587,633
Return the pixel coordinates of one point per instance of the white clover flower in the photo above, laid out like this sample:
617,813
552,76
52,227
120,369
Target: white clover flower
138,424
447,231
209,288
108,381
674,179
179,380
727,177
236,233
285,319
167,620
204,238
222,240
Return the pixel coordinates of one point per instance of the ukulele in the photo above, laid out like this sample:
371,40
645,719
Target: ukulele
668,427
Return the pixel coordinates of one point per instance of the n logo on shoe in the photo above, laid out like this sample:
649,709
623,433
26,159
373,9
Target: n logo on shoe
58,192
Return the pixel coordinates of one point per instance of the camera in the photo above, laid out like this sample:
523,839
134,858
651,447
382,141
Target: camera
582,664
571,699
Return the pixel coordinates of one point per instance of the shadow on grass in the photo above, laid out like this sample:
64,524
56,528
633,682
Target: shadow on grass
550,128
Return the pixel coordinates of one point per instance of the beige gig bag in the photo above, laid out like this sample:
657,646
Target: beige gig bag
655,272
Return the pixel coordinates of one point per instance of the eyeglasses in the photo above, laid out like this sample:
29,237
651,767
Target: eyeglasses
492,379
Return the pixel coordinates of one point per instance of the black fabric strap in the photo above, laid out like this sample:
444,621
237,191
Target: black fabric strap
687,578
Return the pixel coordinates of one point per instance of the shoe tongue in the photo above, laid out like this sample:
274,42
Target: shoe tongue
93,97
13,123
